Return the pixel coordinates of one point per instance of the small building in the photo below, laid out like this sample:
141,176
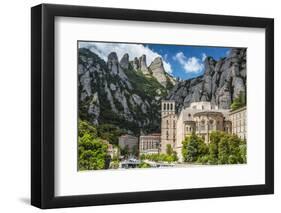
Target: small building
150,144
238,119
129,141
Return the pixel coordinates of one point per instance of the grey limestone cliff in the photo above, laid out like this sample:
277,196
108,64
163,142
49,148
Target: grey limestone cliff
222,82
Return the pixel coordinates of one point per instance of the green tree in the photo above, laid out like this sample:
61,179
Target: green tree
234,149
143,157
169,149
86,128
239,102
193,148
114,165
144,165
92,151
223,151
215,138
175,156
125,151
243,152
169,158
135,151
160,157
109,132
225,148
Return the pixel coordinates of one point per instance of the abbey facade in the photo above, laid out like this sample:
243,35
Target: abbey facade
199,117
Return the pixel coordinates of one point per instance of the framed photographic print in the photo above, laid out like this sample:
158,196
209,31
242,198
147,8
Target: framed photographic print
139,106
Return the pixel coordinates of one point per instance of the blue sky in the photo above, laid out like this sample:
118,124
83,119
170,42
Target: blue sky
180,61
188,61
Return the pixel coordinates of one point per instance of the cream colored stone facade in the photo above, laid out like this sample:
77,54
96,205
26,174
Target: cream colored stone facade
238,119
200,117
168,124
150,144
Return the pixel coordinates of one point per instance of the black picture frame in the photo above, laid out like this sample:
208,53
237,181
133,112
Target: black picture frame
43,102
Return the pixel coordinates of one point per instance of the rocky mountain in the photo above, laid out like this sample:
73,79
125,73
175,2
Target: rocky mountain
155,69
126,93
222,82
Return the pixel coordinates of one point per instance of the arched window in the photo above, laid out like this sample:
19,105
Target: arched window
211,124
164,106
202,125
171,106
168,106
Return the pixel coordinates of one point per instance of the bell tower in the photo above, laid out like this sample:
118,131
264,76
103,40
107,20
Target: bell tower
168,124
167,107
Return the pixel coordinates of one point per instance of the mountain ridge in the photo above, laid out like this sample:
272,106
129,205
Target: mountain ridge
118,92
222,82
128,93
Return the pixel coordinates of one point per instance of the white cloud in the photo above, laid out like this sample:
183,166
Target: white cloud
194,65
134,50
227,52
180,57
190,65
204,56
166,57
